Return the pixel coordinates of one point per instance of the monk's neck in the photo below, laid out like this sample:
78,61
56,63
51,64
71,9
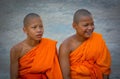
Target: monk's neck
80,38
32,42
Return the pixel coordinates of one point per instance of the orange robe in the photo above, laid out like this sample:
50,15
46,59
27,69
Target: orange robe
41,62
91,59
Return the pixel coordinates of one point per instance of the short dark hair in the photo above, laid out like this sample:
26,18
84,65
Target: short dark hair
79,13
29,16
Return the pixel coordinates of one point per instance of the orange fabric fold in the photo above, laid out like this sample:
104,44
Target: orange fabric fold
41,62
91,59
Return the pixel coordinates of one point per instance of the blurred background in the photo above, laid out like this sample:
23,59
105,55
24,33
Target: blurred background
57,18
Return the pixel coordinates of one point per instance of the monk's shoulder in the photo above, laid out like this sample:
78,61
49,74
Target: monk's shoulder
16,49
98,38
97,35
49,41
66,44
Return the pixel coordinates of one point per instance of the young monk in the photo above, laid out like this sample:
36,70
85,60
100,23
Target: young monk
35,57
84,55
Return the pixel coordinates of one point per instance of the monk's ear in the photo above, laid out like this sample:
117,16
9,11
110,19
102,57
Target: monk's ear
24,30
74,25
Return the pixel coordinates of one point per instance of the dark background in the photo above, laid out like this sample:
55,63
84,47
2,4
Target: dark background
57,18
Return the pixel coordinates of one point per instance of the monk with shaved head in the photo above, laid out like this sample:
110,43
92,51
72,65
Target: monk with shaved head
84,55
35,57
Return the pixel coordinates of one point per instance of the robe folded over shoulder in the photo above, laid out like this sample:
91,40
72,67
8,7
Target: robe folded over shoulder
41,62
91,60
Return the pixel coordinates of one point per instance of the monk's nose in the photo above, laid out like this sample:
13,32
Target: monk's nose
90,27
39,30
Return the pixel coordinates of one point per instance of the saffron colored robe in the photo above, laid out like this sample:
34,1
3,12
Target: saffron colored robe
41,62
91,59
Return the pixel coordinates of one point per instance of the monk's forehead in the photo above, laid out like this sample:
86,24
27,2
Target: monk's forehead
30,20
89,17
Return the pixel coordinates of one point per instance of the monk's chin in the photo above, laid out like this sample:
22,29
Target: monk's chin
87,36
38,39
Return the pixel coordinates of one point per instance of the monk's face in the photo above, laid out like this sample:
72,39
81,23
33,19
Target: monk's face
34,28
85,26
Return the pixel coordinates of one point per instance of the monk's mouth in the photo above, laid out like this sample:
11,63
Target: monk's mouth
40,35
88,33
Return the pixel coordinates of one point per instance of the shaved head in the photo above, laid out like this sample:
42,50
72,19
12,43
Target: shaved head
29,17
80,13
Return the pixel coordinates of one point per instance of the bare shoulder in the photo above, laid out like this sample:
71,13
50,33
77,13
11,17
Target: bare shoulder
16,49
66,44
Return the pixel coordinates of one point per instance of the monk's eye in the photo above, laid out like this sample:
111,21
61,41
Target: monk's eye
34,27
41,26
85,25
92,24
